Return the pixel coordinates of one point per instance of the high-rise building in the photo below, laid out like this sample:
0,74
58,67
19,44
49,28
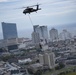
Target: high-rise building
41,59
42,30
36,28
47,59
53,34
35,38
9,30
65,35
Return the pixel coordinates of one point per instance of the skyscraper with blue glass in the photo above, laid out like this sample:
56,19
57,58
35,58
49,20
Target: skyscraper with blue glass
9,30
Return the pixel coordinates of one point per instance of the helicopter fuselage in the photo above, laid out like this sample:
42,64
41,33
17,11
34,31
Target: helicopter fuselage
30,10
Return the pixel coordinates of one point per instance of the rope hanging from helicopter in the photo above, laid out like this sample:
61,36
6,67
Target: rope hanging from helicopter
30,19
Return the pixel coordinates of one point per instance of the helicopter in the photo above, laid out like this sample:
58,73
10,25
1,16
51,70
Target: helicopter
30,9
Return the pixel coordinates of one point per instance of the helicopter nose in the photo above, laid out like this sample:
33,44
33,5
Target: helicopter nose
24,11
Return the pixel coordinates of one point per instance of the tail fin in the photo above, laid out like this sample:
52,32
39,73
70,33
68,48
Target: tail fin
37,6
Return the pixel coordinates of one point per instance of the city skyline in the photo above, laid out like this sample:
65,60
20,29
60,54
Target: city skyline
53,14
69,27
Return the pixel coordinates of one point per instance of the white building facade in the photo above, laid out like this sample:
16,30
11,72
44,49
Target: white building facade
65,35
53,34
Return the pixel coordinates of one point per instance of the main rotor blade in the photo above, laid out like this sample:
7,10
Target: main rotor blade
28,6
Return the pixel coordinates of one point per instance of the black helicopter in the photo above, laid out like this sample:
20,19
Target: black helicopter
29,9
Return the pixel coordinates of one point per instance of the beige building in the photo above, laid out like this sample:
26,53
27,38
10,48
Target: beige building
41,59
47,59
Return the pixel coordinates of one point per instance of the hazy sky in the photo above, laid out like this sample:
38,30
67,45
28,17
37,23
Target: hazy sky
53,13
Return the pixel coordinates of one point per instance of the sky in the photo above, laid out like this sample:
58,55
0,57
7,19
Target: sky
53,13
